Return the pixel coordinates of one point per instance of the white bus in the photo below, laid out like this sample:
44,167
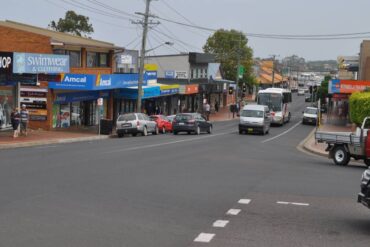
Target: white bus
279,101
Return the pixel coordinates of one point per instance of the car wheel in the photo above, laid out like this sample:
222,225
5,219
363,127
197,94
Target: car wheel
209,130
289,117
240,132
197,132
175,132
134,134
120,135
163,130
156,131
145,132
341,156
367,162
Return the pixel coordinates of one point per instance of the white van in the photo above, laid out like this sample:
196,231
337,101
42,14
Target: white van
255,119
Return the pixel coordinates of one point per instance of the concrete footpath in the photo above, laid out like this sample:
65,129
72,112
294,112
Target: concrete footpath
40,137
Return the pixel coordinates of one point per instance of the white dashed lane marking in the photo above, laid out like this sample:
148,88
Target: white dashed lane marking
204,237
244,201
293,203
233,211
220,223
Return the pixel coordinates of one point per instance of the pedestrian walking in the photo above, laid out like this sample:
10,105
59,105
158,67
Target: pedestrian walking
216,106
15,118
24,118
208,110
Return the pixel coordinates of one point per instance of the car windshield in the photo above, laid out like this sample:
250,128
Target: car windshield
153,118
310,111
252,113
127,117
272,100
183,117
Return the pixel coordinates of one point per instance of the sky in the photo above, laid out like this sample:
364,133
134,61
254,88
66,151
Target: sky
288,17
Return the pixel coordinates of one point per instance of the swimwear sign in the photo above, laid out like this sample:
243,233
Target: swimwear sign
34,63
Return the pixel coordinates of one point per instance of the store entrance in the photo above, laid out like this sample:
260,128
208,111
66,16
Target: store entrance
89,113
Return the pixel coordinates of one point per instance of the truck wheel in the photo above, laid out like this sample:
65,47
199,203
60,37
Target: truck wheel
367,162
341,156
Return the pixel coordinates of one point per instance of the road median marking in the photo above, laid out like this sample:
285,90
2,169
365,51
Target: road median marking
285,132
293,203
220,223
204,237
244,201
233,211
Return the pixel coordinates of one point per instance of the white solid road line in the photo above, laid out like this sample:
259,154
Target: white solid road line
204,237
293,203
233,211
167,143
220,223
244,201
285,132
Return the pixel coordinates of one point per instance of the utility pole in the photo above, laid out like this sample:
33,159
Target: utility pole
237,73
273,70
142,56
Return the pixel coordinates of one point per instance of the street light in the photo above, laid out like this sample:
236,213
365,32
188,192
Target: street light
165,43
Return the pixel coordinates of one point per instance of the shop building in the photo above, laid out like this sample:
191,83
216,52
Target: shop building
68,94
196,72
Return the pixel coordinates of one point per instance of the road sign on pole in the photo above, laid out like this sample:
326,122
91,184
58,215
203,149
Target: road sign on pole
241,71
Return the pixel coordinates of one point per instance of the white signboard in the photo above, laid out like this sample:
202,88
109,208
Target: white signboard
181,75
125,59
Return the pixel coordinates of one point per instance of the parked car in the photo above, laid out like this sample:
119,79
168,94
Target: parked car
300,91
134,123
310,115
191,123
344,145
170,118
255,119
164,125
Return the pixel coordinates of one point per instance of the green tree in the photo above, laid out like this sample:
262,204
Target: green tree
323,89
226,46
74,24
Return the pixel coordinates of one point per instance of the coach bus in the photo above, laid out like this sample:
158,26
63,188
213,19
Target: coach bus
279,101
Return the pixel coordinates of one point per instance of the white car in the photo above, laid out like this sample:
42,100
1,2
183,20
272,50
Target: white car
255,119
134,123
301,92
310,115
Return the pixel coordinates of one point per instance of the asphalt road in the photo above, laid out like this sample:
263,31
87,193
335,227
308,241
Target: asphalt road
169,191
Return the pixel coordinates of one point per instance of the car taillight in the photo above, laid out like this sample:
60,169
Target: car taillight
273,114
138,123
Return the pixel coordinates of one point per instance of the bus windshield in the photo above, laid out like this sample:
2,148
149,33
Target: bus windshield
272,100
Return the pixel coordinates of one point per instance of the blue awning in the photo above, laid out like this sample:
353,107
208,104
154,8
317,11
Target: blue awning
132,92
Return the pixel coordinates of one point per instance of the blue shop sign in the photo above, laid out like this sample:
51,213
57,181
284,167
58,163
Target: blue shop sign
34,63
334,86
170,91
169,74
100,82
63,98
74,82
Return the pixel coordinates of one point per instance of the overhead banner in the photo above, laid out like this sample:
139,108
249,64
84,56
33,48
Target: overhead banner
35,63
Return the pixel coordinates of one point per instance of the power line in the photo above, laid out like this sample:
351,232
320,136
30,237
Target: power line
157,37
111,8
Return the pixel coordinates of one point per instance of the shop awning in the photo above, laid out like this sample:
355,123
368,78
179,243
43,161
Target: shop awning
132,92
63,98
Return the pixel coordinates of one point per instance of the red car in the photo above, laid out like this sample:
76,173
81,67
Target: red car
164,125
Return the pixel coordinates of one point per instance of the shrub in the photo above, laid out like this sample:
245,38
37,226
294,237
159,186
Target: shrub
359,104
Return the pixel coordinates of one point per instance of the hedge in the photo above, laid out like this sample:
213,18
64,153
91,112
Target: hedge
359,104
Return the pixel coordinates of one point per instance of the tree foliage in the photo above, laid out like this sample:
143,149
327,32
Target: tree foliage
227,45
74,24
359,103
323,89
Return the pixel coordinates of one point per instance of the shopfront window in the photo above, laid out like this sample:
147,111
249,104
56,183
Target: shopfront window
7,104
74,59
103,60
76,114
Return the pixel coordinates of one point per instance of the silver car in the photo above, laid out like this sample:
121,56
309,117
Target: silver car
134,123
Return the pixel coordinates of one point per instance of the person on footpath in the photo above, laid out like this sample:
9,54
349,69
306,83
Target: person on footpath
208,110
24,120
216,106
15,118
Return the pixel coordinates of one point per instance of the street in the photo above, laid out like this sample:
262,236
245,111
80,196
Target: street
169,190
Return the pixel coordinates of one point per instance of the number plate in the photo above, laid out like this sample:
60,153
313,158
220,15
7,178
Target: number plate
181,124
250,130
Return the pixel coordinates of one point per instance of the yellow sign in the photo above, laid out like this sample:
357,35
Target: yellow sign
151,67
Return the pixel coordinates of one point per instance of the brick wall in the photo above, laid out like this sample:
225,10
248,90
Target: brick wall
14,40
